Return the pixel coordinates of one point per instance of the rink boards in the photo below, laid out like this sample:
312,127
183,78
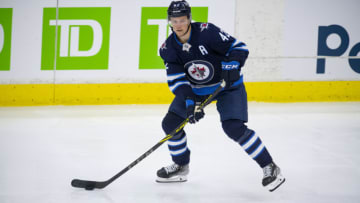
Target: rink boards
70,52
159,93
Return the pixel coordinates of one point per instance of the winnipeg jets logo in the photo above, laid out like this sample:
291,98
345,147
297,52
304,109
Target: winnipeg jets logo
199,71
204,26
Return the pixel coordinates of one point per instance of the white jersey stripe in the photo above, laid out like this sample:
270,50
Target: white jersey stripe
175,76
173,87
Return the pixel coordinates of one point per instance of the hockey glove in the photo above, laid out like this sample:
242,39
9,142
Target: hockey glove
192,111
230,72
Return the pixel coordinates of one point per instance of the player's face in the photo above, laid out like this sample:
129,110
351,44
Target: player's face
180,24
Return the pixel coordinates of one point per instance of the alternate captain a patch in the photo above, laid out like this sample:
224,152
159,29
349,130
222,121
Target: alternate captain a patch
199,71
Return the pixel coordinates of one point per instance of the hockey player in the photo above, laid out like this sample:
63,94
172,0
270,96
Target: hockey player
197,57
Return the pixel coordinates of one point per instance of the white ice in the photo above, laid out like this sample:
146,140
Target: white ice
317,146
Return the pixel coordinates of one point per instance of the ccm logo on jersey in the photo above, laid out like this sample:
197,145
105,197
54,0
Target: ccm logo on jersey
230,66
199,71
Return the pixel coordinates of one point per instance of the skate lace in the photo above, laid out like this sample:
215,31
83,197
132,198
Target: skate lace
267,171
171,168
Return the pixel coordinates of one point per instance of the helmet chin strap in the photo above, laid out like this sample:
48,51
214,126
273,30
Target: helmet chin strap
188,28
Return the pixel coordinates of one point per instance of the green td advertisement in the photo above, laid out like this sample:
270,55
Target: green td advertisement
5,38
82,38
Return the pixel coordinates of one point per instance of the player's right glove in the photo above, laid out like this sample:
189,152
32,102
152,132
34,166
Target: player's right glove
192,111
230,72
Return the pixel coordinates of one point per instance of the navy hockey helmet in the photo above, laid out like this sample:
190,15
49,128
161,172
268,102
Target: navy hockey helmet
179,8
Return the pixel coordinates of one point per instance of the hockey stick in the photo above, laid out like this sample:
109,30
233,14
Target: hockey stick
90,185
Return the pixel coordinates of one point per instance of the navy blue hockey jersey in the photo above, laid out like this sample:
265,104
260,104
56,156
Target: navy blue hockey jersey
195,67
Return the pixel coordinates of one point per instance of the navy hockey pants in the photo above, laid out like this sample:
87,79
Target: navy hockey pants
231,104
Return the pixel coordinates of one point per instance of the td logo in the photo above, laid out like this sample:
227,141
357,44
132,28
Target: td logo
155,30
5,38
82,38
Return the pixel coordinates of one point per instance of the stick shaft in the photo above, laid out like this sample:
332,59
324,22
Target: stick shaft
99,185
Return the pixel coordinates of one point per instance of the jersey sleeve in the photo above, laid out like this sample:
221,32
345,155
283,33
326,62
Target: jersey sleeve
177,81
176,77
226,45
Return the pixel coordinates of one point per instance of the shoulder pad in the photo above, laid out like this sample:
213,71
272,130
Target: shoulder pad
203,26
166,51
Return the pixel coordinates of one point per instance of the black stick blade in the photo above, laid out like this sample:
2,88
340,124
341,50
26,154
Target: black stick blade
86,184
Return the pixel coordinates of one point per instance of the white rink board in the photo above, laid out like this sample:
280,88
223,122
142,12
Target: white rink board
302,21
282,36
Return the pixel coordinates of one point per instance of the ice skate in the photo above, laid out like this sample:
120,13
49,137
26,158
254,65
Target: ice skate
272,177
173,173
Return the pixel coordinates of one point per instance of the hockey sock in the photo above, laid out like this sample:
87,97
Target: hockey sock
248,140
177,145
179,151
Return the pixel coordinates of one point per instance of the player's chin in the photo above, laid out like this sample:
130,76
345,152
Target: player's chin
179,33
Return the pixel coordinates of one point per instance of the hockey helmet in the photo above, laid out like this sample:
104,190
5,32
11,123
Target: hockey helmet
179,8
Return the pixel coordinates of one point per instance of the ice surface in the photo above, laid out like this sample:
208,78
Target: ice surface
43,148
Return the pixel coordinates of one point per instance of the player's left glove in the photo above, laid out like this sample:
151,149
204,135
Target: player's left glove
230,72
193,112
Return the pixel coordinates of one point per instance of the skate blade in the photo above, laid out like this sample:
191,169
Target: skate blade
175,179
276,183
